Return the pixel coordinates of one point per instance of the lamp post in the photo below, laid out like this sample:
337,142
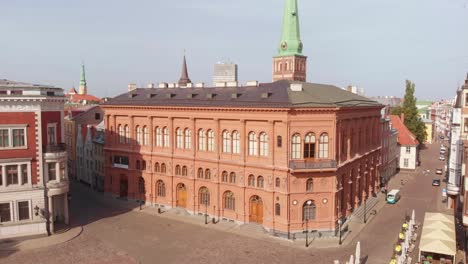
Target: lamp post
306,216
206,210
340,222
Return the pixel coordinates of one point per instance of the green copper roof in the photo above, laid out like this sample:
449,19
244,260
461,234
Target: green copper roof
83,78
290,43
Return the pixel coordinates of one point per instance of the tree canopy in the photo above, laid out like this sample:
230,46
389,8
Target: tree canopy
412,120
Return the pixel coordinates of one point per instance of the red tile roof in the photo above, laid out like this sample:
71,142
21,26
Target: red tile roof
72,91
77,98
405,137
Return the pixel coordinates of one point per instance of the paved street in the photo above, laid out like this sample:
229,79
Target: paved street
117,235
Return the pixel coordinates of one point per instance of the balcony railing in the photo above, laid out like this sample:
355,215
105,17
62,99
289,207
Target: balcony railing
54,148
312,164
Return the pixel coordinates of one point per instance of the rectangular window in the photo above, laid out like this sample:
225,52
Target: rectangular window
408,150
24,174
1,175
12,174
4,138
5,213
405,163
23,210
62,170
121,162
52,171
465,125
51,134
18,137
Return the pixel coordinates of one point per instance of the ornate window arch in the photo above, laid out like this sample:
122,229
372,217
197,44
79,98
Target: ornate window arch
236,142
324,145
207,174
201,140
200,173
145,136
163,168
159,138
204,196
296,146
139,135
253,144
166,137
224,176
232,177
263,144
161,187
226,142
179,138
309,211
251,180
310,185
177,170
309,146
188,138
156,167
229,200
211,140
184,171
260,181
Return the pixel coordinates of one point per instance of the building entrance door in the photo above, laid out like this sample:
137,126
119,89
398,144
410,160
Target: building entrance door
181,196
256,210
123,187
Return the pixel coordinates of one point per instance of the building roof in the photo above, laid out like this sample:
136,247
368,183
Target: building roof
78,98
88,117
72,91
405,137
279,94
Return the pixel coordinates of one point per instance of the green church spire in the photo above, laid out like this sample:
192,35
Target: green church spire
83,87
290,43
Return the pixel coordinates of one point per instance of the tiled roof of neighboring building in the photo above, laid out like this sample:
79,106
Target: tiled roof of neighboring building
89,116
405,137
77,98
276,95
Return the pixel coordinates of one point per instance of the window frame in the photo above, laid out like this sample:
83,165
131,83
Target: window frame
253,144
296,146
10,212
263,145
235,142
229,200
188,138
10,136
28,210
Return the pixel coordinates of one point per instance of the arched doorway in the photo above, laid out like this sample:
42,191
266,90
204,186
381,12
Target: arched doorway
181,195
256,210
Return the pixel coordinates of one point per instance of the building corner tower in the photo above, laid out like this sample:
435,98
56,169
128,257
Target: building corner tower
290,64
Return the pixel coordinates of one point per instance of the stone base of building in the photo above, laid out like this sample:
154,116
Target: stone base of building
23,229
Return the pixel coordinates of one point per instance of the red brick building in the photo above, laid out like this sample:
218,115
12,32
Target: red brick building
32,159
278,154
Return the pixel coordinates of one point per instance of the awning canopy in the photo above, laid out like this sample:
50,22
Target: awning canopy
438,234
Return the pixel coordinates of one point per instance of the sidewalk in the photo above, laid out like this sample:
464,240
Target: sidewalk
18,244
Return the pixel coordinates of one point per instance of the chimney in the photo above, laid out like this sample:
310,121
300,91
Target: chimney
402,117
150,85
131,87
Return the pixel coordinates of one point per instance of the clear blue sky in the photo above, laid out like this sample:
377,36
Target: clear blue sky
368,43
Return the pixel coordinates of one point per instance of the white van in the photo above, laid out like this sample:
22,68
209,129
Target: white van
393,196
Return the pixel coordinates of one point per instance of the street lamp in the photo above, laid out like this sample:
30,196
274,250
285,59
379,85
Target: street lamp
36,210
340,222
206,210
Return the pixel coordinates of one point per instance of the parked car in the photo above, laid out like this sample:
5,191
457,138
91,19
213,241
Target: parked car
442,158
436,182
443,151
439,171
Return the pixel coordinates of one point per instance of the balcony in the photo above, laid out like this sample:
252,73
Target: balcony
55,152
312,164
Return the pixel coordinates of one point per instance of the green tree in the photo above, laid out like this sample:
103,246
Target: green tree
412,120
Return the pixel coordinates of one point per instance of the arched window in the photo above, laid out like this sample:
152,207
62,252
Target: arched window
235,142
145,136
121,135
225,176
296,146
251,180
277,182
226,142
180,138
253,144
260,181
188,138
141,185
139,135
263,144
207,174
279,141
177,170
165,137
163,168
211,140
323,145
201,140
156,167
309,210
310,185
277,209
159,137
309,146
127,134
200,173
229,200
232,177
161,187
143,165
184,171
204,196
